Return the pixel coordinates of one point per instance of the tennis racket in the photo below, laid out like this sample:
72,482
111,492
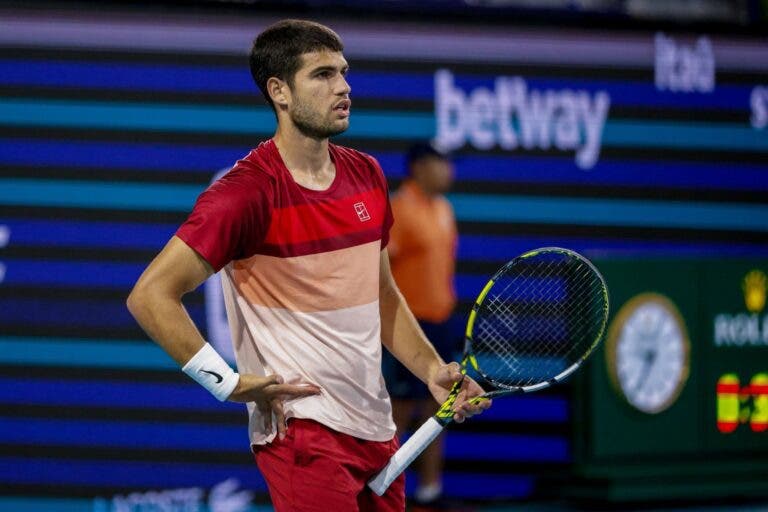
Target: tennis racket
535,322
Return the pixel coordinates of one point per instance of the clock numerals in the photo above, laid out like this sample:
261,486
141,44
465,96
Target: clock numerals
737,405
759,388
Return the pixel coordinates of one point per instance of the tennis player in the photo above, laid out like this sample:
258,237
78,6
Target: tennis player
300,228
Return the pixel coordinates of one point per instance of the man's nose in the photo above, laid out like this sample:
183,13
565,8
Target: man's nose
345,87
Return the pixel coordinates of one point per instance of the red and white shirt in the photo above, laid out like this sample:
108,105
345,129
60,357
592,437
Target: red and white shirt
301,282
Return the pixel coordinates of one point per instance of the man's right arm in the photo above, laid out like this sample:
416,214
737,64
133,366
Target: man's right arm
155,303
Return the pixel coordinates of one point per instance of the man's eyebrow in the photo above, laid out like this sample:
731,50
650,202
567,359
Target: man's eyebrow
328,67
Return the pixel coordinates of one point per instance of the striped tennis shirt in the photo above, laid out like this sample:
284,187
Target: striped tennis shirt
301,283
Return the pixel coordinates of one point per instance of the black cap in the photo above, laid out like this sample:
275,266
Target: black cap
422,150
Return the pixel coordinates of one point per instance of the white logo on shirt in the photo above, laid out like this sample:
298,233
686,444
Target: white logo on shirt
362,212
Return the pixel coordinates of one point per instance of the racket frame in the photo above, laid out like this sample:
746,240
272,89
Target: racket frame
420,439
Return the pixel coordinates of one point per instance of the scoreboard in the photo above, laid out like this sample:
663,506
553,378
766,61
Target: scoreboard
737,362
711,423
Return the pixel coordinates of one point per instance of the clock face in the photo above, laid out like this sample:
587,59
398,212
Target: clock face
648,352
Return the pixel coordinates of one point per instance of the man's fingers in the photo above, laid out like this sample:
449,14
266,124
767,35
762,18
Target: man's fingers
266,413
483,403
269,380
277,408
465,410
460,399
288,391
468,401
458,418
470,409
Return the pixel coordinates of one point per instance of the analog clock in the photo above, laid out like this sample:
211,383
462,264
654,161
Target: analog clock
648,352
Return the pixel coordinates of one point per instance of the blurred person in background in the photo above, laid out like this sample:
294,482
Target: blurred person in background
422,251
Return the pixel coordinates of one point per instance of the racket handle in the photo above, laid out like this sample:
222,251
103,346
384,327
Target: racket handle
403,457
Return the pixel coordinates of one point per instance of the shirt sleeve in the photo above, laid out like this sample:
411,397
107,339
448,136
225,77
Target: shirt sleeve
229,219
388,220
396,233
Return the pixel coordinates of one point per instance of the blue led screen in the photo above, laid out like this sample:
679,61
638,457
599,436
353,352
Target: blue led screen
103,151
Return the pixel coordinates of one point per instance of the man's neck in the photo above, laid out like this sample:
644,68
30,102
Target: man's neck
301,153
306,158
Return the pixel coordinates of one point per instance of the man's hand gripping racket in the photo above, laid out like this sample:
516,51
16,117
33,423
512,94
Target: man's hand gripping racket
535,322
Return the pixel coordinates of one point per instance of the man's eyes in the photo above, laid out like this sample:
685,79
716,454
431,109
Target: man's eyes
329,74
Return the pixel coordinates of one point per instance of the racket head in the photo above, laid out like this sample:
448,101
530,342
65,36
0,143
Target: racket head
538,318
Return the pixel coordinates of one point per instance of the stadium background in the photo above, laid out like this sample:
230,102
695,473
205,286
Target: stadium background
112,122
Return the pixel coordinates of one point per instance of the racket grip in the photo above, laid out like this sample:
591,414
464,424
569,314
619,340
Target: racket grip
403,457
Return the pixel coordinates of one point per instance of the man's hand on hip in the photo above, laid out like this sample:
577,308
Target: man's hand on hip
269,393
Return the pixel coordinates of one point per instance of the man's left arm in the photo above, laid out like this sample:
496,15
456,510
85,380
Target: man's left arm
402,336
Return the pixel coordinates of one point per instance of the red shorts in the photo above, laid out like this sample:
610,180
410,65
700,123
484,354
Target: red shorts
318,469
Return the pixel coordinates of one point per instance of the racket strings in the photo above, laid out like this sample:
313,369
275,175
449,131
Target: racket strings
588,289
501,325
540,318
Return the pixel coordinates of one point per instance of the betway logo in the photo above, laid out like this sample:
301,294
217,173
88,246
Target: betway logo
512,116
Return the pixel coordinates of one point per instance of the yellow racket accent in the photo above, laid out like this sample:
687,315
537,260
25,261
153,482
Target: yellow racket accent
473,362
470,323
473,313
484,292
446,410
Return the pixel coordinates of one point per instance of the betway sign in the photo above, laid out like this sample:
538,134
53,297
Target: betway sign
512,116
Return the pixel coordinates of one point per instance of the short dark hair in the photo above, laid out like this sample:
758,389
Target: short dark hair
422,150
277,50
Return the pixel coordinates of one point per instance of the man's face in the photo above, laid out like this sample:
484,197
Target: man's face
320,103
434,174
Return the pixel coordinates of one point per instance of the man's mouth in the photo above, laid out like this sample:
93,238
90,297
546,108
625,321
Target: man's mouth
343,107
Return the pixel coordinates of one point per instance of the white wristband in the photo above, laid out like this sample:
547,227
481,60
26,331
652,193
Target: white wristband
208,369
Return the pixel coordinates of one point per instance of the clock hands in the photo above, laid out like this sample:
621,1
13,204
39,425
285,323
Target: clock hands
649,356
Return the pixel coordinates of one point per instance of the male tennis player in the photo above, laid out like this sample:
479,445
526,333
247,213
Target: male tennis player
300,227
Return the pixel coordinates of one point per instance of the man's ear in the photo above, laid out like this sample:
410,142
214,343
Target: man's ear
278,91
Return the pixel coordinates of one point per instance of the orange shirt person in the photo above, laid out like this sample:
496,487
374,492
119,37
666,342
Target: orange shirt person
422,249
424,237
